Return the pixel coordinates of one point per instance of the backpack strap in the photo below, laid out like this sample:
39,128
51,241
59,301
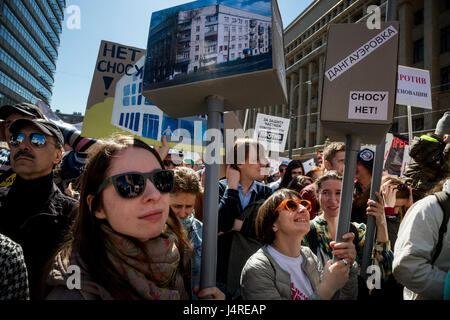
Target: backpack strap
311,237
444,202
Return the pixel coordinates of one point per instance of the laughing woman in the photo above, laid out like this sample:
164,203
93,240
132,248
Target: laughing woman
126,243
283,268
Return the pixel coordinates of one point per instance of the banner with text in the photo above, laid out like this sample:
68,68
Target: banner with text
271,131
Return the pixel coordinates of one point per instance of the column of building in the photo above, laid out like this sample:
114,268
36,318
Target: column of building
405,55
308,105
290,115
319,133
300,119
431,56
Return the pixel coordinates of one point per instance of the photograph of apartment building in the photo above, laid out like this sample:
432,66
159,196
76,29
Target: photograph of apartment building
196,41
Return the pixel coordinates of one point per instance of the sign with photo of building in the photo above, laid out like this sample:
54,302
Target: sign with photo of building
215,47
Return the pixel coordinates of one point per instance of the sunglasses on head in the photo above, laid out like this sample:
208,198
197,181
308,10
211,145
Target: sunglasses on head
36,139
131,185
292,205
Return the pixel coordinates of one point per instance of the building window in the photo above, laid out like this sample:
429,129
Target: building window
197,37
418,51
227,19
197,48
197,29
227,28
196,58
394,127
418,17
418,124
445,79
445,39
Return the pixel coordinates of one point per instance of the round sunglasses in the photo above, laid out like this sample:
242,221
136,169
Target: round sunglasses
292,205
131,185
36,139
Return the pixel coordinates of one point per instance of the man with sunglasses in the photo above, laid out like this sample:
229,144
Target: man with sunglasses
33,210
73,161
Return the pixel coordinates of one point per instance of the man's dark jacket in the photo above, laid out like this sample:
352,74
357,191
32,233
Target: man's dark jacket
230,208
36,215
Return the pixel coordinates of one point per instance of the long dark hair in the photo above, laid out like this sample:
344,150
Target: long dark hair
294,164
86,237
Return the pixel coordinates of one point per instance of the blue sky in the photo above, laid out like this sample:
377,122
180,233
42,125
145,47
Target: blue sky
122,21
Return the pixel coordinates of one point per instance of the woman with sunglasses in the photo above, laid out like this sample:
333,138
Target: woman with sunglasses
324,227
126,243
283,268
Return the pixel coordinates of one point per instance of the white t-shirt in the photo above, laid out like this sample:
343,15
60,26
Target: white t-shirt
300,285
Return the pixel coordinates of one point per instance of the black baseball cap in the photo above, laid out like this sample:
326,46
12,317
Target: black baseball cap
366,157
22,108
46,127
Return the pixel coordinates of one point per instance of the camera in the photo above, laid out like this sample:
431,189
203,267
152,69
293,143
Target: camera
402,187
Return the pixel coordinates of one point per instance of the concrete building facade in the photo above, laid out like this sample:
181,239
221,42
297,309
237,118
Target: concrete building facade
424,44
216,34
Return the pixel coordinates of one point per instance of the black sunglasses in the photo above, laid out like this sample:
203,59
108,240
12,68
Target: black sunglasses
131,185
36,139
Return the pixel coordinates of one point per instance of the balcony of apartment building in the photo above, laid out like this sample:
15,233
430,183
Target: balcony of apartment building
253,23
184,26
182,57
260,30
184,36
211,32
211,20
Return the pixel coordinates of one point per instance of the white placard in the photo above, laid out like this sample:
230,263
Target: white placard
271,131
413,87
308,165
360,53
368,105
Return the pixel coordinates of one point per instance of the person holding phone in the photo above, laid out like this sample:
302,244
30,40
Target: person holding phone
238,191
126,242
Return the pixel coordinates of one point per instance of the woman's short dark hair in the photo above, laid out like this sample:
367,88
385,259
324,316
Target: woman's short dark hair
267,216
299,182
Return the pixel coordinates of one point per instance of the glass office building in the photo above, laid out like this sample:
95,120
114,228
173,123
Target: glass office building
29,41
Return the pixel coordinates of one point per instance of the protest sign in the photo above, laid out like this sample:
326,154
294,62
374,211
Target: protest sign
396,154
413,87
359,86
308,165
215,47
271,131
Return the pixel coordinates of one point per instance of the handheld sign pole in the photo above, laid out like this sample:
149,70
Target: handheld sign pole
377,172
352,147
375,187
410,125
210,228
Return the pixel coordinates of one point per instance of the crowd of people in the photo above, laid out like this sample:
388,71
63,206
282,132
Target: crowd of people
87,219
